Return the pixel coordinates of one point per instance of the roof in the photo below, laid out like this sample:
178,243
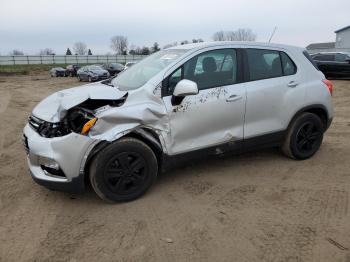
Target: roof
342,29
231,43
328,45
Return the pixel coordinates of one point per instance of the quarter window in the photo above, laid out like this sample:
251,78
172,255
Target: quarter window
287,65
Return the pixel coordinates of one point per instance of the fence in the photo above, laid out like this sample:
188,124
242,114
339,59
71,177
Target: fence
67,59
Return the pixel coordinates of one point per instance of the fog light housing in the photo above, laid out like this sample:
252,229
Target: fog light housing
48,162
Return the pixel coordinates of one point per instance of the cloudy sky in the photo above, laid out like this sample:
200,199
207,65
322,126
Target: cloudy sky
31,25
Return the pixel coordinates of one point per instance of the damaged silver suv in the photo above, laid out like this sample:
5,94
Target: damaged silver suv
183,102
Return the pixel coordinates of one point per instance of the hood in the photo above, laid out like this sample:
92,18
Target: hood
99,72
54,107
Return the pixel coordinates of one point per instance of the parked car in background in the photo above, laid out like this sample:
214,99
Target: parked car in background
182,102
57,71
113,68
129,64
71,70
92,73
333,64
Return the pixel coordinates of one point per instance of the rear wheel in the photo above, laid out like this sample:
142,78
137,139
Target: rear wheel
124,170
304,137
79,78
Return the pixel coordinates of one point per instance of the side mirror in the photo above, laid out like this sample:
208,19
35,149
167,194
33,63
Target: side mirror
185,88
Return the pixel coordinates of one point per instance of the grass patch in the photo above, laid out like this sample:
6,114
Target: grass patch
25,69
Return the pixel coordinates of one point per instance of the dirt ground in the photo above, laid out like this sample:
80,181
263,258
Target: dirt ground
259,206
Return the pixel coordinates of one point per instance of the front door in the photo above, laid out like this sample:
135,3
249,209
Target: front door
216,114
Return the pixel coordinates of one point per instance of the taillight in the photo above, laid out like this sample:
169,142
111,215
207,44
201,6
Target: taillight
329,85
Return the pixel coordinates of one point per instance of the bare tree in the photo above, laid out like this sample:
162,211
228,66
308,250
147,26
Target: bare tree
46,51
242,34
219,36
80,48
16,52
119,44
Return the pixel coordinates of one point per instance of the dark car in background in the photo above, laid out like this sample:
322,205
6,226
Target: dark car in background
92,73
71,70
333,64
57,71
113,68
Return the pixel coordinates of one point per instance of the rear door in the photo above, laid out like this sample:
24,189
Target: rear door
272,93
326,63
342,64
214,116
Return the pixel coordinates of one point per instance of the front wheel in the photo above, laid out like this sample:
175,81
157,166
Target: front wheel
124,170
90,79
304,137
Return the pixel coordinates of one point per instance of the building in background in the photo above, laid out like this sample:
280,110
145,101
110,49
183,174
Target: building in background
342,43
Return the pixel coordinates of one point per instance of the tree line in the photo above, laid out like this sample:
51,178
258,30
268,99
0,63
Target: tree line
119,44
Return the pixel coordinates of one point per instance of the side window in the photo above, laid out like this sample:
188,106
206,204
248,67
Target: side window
209,69
263,64
288,65
340,58
327,57
212,69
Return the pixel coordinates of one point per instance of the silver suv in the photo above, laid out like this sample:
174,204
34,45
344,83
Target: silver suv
183,102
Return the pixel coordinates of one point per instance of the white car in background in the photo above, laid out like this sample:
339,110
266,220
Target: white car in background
183,102
129,64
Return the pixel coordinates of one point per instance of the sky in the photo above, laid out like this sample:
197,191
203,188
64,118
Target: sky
32,25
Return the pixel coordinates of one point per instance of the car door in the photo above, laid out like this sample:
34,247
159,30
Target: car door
327,64
273,93
342,62
215,115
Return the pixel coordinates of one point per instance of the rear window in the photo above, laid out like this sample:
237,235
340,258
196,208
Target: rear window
308,57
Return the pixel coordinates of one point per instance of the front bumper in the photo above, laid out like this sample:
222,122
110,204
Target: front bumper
69,152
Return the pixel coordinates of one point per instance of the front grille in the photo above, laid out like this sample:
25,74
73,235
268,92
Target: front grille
35,122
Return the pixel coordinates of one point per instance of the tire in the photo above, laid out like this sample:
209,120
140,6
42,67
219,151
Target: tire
79,78
304,137
124,170
90,79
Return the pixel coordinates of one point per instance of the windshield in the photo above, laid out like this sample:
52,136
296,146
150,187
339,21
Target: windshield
137,75
95,67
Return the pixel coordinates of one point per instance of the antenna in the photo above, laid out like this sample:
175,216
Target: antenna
273,33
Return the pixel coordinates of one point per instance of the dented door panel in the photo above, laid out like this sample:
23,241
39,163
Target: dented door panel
206,119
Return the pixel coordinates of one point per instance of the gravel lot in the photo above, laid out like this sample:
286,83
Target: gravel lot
259,206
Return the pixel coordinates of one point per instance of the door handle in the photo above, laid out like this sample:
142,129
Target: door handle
233,98
292,84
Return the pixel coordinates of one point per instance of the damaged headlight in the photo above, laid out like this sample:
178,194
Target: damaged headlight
81,120
47,129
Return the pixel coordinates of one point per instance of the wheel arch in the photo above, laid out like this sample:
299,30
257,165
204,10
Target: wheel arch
317,109
146,135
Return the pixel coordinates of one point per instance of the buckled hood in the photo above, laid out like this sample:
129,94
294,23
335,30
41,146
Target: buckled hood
54,107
